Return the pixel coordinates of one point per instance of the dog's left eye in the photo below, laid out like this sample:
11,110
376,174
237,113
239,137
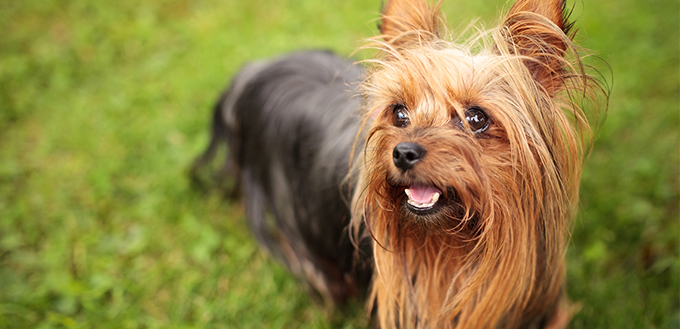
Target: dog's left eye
400,119
477,119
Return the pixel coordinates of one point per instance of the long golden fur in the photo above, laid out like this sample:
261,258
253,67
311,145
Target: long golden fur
494,254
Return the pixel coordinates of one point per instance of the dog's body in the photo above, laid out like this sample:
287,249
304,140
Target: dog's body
465,176
290,123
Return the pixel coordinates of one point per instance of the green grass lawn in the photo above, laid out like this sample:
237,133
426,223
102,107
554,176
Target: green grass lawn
104,104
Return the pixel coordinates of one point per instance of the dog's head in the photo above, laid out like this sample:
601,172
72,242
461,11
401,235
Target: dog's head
462,134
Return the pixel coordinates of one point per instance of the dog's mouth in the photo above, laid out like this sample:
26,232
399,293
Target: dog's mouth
422,205
426,203
422,198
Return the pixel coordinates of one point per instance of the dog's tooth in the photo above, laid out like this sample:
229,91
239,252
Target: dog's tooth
408,193
435,198
420,205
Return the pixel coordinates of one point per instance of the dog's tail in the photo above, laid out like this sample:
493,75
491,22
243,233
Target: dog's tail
218,135
203,176
223,132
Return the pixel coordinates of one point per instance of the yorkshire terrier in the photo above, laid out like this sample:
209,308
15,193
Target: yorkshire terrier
440,179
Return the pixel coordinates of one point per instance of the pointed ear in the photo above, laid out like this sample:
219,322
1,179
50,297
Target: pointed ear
538,29
406,22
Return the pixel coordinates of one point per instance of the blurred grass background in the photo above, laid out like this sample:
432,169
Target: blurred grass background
104,104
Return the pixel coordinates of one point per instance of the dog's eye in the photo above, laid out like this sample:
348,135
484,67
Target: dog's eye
400,119
477,119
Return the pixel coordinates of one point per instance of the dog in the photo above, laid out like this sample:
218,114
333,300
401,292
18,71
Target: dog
438,180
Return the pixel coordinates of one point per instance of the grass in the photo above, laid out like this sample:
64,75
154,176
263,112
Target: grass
103,106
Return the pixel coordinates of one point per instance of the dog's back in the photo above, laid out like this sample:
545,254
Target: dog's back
290,124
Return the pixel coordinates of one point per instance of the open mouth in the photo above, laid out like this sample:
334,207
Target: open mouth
423,204
422,198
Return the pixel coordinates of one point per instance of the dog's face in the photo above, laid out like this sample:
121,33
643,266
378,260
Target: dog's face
439,144
459,138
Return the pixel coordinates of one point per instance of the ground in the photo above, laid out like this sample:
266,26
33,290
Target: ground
104,105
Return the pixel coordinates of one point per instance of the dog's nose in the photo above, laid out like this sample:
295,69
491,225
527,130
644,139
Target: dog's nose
406,154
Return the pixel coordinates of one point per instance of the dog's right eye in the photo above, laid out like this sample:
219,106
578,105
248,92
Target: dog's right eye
400,119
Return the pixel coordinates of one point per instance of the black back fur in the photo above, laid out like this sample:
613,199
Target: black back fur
290,124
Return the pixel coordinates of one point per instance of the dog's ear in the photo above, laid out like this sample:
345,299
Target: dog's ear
409,22
538,29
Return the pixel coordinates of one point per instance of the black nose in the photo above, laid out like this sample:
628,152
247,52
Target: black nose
406,154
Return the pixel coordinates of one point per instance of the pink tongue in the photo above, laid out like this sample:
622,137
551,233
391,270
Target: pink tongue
423,194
